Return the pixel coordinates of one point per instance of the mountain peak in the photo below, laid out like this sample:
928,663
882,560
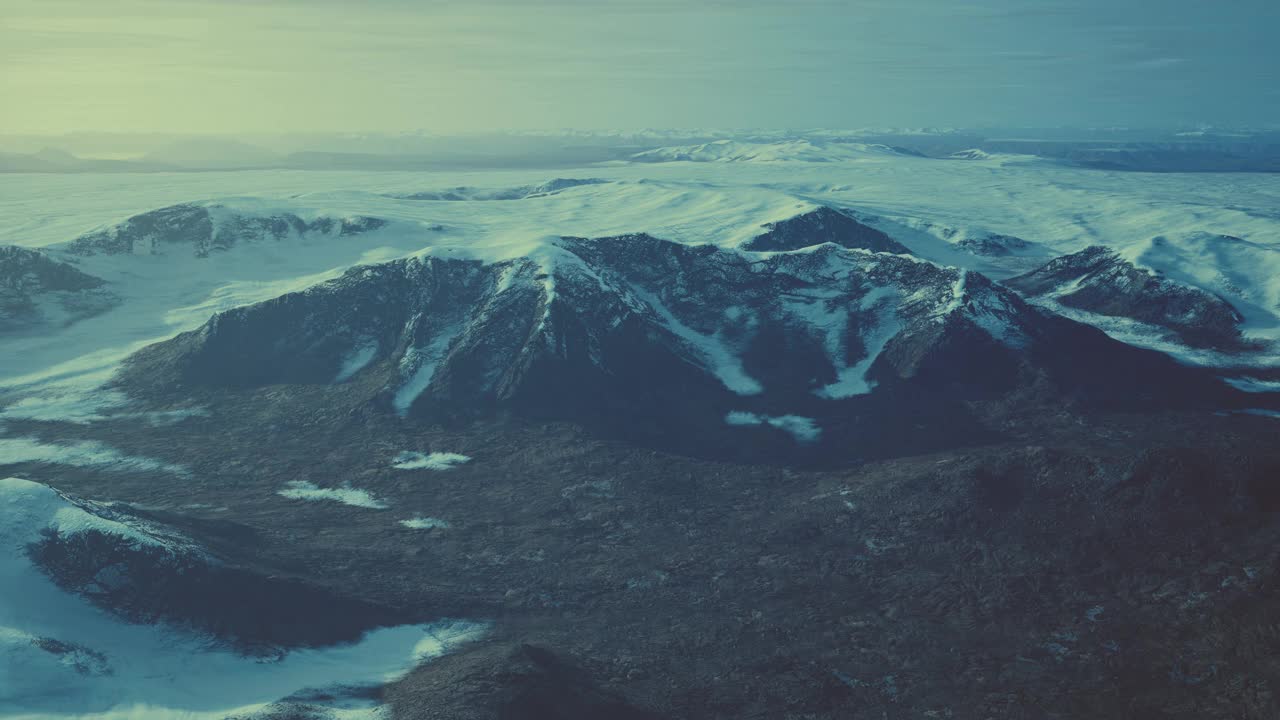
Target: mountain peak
1099,280
652,338
823,225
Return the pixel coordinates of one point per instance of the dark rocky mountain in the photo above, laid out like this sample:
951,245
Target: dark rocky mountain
823,225
36,290
822,353
994,245
1097,279
205,229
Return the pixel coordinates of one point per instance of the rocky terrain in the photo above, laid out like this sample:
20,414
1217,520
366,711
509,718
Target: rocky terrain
823,225
693,348
36,290
805,475
205,229
1099,280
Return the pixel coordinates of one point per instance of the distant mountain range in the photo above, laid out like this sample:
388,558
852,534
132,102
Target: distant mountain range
1197,151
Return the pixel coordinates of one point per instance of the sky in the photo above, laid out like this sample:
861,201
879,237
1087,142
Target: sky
288,66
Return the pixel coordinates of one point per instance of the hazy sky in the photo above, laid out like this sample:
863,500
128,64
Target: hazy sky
293,65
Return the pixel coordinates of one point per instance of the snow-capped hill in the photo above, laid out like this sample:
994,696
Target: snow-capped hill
972,240
523,192
201,229
38,291
823,225
734,151
1099,280
1243,272
642,335
971,154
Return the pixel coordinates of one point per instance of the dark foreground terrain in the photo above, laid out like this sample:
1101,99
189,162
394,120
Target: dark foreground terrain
1083,565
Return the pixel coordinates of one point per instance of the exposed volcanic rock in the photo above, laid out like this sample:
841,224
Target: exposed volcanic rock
823,225
1097,279
36,289
205,229
841,351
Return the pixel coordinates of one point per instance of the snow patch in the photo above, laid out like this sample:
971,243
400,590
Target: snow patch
347,495
425,523
852,380
719,359
80,453
356,361
805,430
409,460
83,400
419,365
1254,385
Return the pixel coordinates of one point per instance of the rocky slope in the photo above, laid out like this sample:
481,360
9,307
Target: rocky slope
36,290
817,353
823,225
1098,280
204,229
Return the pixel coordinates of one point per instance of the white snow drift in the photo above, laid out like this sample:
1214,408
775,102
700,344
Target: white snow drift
410,460
347,495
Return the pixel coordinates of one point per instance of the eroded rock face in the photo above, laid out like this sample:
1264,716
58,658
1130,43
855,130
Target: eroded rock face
823,225
1098,280
821,348
36,291
202,230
